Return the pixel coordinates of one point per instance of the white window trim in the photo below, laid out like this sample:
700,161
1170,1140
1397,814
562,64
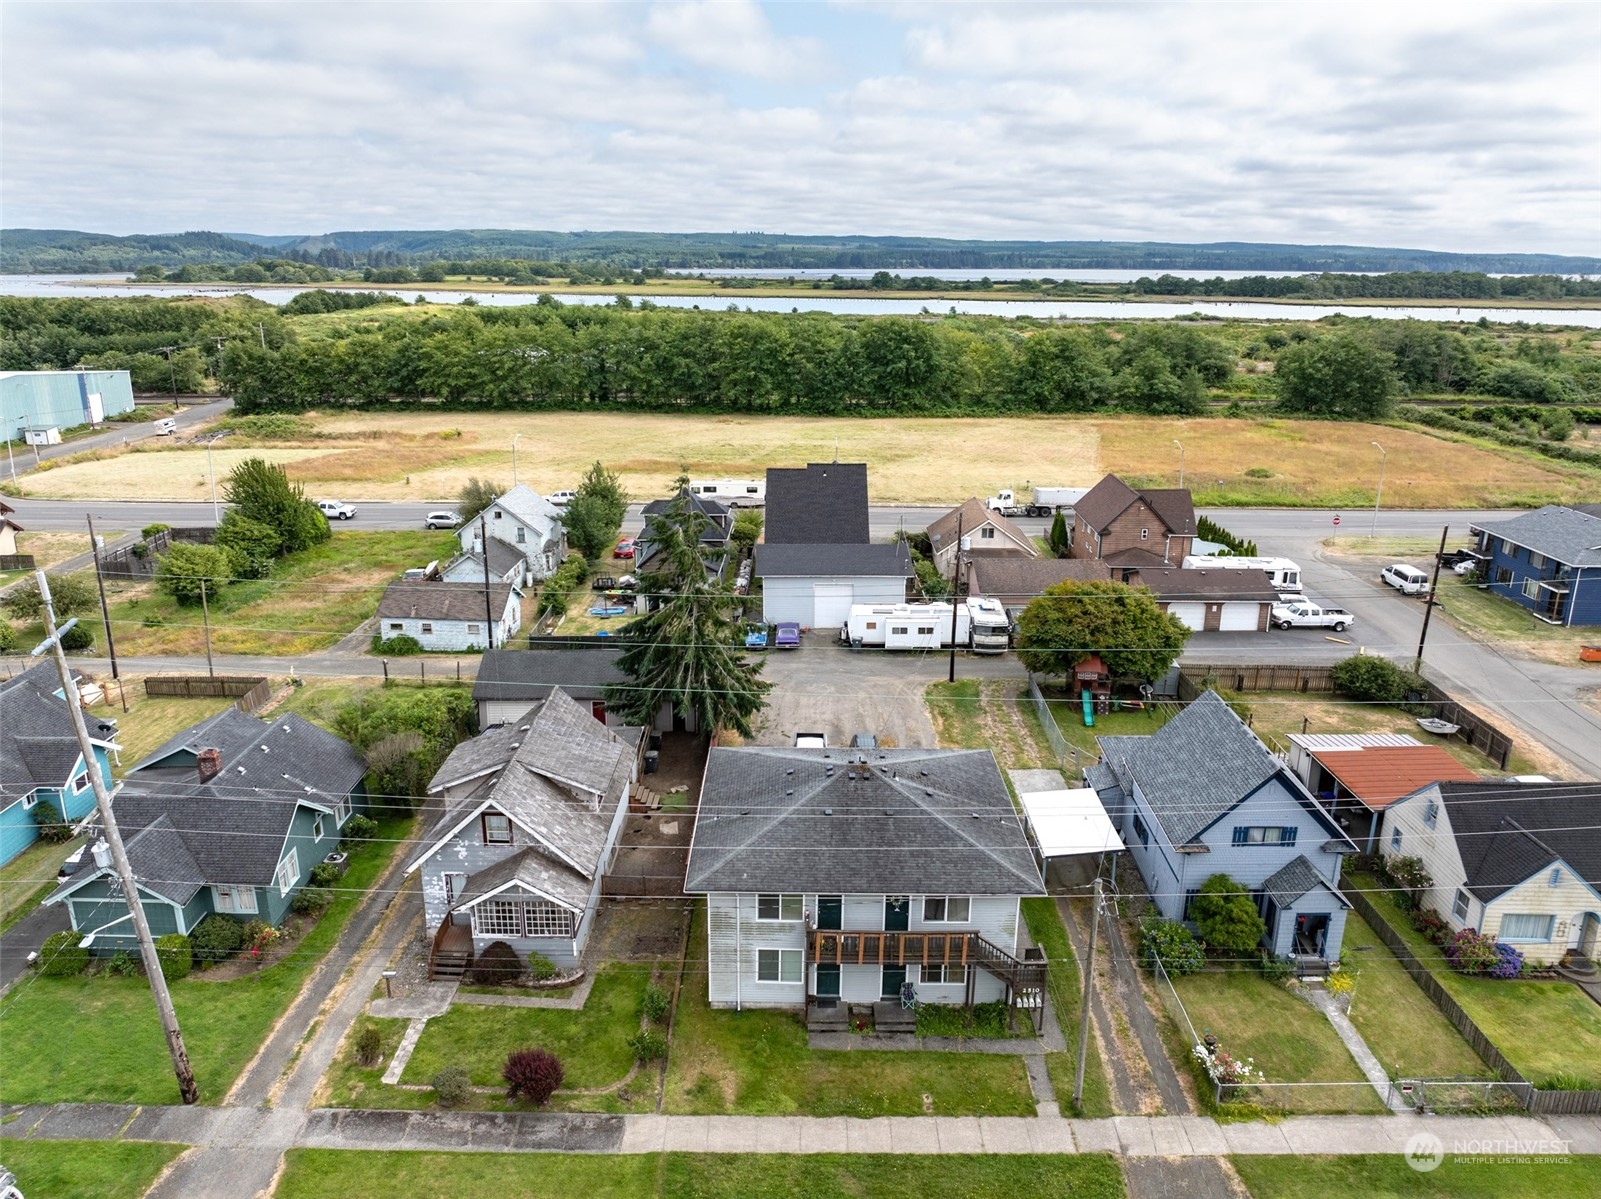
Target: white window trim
29,800
453,890
316,828
234,899
1461,905
341,811
800,903
782,951
1551,920
288,872
946,917
81,783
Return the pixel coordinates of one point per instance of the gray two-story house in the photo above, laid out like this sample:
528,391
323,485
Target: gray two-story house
1203,796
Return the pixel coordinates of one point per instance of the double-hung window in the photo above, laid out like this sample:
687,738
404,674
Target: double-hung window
778,965
1140,831
779,907
288,872
1459,907
1395,838
946,909
497,828
1431,814
945,975
233,900
1270,834
1526,926
316,828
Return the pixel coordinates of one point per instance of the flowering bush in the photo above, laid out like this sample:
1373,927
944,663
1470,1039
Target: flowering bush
1509,962
1472,952
1339,982
1432,925
259,937
1171,943
1222,1067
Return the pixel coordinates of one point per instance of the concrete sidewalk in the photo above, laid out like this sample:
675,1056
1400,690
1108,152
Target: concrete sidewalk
528,1132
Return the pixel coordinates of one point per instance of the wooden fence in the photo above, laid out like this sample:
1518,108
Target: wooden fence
251,691
138,560
17,562
1492,742
1548,1103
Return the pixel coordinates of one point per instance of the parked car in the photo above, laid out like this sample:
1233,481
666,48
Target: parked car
166,427
1466,567
787,635
560,499
624,549
756,637
1311,616
628,583
603,583
442,520
336,509
1408,580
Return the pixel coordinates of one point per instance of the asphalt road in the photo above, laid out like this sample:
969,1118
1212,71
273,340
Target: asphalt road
23,459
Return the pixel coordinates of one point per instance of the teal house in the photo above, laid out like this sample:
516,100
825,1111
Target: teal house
40,761
231,816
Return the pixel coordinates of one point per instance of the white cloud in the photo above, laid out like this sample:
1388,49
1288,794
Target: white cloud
1452,128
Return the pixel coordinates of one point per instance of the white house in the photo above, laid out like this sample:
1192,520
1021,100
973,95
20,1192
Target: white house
1518,861
451,616
532,814
838,876
526,520
506,565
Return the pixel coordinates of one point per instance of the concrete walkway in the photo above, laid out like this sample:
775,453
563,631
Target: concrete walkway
1346,1031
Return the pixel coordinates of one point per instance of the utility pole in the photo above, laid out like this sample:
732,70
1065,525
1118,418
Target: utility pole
1428,607
100,582
262,329
119,855
1379,494
172,370
489,607
205,618
1089,979
956,590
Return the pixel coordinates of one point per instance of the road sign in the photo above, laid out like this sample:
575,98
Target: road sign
1336,520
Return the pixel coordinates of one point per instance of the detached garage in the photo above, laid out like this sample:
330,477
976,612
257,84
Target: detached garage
1213,601
815,585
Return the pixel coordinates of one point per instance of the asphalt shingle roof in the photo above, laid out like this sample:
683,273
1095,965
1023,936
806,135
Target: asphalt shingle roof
583,673
503,558
817,503
533,868
1018,580
528,506
911,821
1294,879
1171,584
974,516
37,745
1569,535
1111,497
442,601
1507,832
884,561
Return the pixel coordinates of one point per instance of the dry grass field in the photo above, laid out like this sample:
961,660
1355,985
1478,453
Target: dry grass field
50,548
426,456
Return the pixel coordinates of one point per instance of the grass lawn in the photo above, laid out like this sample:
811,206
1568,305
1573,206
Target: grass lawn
756,1062
28,878
994,714
1404,1030
1290,1040
1489,617
1070,720
116,1053
50,548
1387,1176
1066,986
312,600
335,1174
86,1169
150,721
1543,1028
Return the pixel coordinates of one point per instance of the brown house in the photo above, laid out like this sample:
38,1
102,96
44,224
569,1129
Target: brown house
1211,601
1017,581
1132,530
988,534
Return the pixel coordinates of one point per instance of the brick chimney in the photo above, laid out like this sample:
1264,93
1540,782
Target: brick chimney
209,762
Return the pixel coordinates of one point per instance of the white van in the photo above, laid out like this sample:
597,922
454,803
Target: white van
1408,580
166,427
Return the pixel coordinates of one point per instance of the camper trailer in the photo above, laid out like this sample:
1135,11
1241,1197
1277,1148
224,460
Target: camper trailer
980,625
1284,575
732,493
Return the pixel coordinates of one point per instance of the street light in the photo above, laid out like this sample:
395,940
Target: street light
1379,495
216,513
514,459
1180,445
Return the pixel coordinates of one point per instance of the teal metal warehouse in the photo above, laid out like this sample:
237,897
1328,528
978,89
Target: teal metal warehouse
61,399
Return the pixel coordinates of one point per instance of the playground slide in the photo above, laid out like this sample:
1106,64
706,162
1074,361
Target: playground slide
1089,708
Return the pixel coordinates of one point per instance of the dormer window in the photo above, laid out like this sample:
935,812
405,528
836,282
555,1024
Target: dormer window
497,828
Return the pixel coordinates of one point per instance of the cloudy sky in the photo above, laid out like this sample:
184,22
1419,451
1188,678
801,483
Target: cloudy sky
1459,127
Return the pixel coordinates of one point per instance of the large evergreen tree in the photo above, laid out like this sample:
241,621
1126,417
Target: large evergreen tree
1122,624
688,651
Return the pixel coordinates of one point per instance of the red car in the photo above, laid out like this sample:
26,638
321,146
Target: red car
624,549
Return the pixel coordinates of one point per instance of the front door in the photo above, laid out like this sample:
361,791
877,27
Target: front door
894,978
1590,935
897,913
827,980
830,912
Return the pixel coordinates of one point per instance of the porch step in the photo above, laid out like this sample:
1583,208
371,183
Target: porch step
828,1017
448,965
890,1017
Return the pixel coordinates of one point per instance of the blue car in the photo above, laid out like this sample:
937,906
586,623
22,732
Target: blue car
788,635
756,637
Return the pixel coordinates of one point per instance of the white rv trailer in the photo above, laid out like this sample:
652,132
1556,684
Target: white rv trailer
1281,572
992,627
980,625
735,493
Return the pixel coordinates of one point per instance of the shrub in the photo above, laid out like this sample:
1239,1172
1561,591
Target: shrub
401,646
186,568
1471,952
1276,969
1339,981
1171,943
123,964
532,1074
1411,876
540,967
61,955
497,965
648,1046
324,874
656,1003
311,901
1565,1082
1225,915
558,589
358,828
369,1045
78,638
1370,679
1509,961
1431,924
175,956
52,826
150,531
216,939
8,637
453,1086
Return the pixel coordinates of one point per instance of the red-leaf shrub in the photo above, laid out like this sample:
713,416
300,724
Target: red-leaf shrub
1471,952
1432,925
532,1074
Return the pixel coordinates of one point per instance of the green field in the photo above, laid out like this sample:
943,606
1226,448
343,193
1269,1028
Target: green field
86,1169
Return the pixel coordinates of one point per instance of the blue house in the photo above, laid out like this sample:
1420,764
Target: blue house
1548,560
40,760
1204,796
230,816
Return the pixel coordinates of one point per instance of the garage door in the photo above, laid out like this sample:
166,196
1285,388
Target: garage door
831,604
1240,618
1193,615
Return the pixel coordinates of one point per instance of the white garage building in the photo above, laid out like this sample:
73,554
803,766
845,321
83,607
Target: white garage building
815,585
1213,601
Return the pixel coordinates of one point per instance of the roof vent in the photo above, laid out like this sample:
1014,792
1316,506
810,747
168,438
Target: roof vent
744,811
240,769
791,770
523,728
924,773
828,811
790,792
264,749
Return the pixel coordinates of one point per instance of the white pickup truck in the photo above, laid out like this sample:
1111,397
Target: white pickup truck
1302,615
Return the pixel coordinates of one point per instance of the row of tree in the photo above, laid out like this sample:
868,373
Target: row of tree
1397,285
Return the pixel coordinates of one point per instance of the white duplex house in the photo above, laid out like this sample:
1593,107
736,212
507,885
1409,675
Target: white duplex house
525,520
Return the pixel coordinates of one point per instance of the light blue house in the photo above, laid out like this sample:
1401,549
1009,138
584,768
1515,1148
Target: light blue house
61,399
1204,796
40,761
231,816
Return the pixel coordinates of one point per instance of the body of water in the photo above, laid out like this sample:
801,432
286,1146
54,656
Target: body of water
1094,310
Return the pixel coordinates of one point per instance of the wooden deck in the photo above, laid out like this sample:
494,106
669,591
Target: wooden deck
453,951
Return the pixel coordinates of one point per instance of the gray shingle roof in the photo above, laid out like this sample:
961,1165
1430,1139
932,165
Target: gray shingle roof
528,506
819,502
584,673
914,821
37,745
230,731
1194,768
1171,584
1294,879
503,558
1507,832
883,561
534,868
1018,580
161,861
442,601
1570,536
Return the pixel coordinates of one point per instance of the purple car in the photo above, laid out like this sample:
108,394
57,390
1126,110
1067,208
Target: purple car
788,636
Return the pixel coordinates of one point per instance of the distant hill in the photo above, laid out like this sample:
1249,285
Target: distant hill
60,251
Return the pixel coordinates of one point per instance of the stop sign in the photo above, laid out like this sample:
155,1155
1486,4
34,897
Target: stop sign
1336,520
